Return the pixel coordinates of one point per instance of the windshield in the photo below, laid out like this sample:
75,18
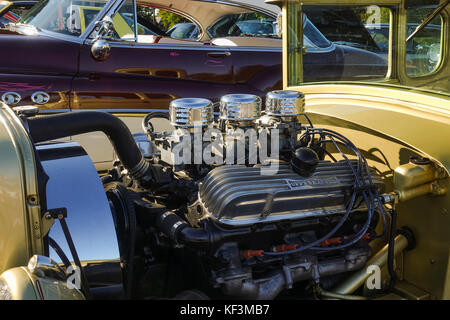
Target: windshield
368,43
69,17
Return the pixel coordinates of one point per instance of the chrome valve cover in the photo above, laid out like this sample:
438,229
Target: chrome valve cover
240,107
191,112
285,103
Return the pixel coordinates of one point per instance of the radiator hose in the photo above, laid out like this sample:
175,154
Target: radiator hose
73,123
180,232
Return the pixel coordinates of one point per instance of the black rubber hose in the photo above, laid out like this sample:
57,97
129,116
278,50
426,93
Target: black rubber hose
73,123
194,237
180,232
390,262
153,114
175,228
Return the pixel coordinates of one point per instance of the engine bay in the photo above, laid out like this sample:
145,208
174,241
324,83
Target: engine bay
245,203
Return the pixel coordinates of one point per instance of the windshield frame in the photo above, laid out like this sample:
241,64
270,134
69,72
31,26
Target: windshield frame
396,76
109,5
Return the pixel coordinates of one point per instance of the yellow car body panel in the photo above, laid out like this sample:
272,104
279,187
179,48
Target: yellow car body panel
24,285
20,215
389,120
385,110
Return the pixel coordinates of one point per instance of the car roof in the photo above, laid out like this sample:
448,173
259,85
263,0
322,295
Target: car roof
257,4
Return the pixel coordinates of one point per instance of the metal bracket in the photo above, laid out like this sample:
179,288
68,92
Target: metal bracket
57,213
46,224
48,219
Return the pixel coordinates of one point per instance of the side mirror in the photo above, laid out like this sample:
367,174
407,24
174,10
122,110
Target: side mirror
100,49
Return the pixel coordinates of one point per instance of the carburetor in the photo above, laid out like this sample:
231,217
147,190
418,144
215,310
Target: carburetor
283,107
190,118
242,133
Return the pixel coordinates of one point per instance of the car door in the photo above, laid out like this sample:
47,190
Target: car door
36,70
147,71
255,48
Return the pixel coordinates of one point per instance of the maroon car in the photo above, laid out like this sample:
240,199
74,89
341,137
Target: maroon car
72,54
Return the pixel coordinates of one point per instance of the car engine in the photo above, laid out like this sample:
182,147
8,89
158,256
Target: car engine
240,203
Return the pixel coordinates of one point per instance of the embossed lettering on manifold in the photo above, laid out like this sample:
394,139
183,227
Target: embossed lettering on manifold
298,184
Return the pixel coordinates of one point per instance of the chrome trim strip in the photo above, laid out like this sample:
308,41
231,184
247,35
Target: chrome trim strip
51,111
60,36
124,110
192,47
136,34
265,49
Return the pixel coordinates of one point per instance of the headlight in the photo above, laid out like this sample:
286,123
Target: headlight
5,294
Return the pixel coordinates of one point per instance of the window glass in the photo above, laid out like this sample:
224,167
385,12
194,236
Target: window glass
69,17
423,50
167,23
124,22
339,44
312,37
186,30
244,24
380,34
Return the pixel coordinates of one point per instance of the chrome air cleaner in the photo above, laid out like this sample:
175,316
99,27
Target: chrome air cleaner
285,103
191,112
240,107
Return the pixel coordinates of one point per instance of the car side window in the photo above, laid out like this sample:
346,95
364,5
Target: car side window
124,22
249,24
163,23
423,50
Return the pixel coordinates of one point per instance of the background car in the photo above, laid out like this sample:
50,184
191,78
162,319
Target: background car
237,49
144,70
11,11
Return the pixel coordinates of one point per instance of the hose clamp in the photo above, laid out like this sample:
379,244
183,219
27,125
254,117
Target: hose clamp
140,169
